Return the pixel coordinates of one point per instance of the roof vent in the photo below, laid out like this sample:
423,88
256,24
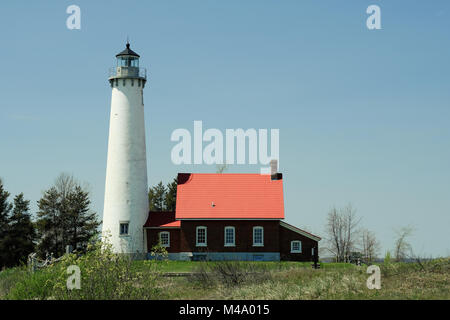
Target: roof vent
212,204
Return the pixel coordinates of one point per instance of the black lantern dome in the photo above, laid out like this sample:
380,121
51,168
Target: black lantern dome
127,52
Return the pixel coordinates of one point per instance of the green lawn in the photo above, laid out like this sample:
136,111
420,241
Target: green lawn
191,266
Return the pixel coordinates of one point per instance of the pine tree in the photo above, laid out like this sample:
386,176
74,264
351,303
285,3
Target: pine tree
156,196
65,218
21,233
170,200
49,223
82,223
5,209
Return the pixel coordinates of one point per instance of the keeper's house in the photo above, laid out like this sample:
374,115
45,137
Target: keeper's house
230,217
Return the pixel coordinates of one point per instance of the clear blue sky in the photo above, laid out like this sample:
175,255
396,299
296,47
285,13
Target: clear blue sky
364,116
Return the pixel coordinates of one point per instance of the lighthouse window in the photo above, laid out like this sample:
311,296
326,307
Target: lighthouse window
124,228
127,62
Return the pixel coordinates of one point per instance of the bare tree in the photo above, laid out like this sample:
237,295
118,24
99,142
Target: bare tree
369,245
65,183
342,229
402,247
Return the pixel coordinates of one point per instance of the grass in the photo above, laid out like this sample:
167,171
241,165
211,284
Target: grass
226,280
191,266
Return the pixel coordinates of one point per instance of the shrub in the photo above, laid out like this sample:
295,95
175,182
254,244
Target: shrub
104,275
159,252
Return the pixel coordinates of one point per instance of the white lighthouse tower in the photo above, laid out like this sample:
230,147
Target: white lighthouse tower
126,201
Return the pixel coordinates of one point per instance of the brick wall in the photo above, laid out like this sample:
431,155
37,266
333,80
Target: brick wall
153,238
276,238
216,234
286,236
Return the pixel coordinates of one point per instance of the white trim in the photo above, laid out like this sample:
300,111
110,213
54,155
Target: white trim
225,244
168,238
299,231
262,236
196,236
292,246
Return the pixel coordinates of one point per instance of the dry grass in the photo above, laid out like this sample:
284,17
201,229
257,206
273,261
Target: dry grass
398,281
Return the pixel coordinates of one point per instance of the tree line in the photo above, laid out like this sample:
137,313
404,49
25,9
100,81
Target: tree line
64,217
163,197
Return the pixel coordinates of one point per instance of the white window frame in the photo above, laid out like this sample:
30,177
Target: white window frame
233,244
262,236
299,244
120,228
168,239
201,244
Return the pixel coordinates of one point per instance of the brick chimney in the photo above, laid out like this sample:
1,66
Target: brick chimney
274,174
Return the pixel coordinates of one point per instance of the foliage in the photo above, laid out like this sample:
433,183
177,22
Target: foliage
21,233
104,275
159,252
163,198
10,277
156,196
286,280
65,218
387,257
170,199
17,232
81,222
5,209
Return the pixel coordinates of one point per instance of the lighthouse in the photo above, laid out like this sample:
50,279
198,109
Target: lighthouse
126,201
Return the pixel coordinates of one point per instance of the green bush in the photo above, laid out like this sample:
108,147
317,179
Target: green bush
104,275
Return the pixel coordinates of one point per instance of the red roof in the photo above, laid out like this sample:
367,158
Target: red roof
162,220
229,196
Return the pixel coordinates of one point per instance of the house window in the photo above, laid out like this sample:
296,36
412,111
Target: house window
123,229
230,237
258,236
164,238
296,246
201,237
